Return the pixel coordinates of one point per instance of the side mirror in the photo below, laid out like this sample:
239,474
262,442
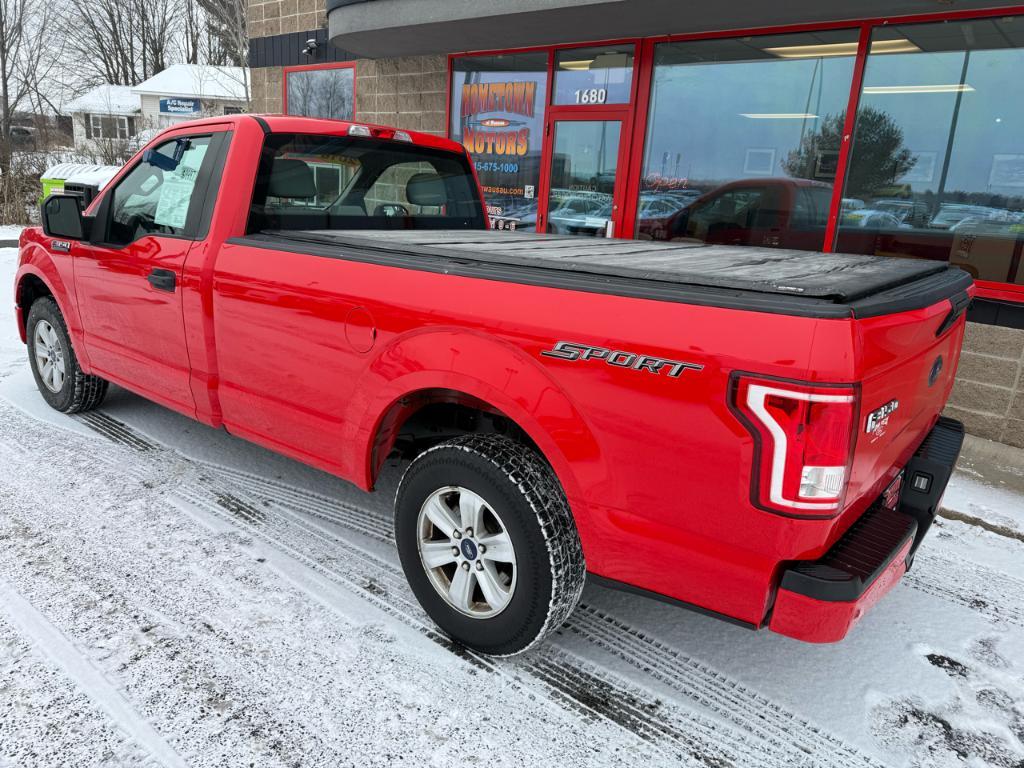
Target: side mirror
62,217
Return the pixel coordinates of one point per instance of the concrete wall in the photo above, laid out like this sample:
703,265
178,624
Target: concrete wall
989,393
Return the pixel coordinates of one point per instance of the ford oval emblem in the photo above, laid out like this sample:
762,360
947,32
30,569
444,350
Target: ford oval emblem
933,375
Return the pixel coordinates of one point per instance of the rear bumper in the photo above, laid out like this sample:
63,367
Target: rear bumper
820,601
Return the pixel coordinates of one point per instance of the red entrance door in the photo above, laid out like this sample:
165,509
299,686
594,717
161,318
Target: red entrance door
587,141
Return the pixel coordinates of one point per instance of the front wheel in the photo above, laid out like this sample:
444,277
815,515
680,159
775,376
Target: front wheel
58,375
488,543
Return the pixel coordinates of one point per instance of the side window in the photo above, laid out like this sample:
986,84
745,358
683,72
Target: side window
811,207
154,198
389,194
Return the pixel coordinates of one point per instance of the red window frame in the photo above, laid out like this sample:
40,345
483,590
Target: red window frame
643,71
310,67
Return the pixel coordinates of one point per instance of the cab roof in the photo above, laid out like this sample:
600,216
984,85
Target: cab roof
298,124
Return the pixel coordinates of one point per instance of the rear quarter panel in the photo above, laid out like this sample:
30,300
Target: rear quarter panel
657,469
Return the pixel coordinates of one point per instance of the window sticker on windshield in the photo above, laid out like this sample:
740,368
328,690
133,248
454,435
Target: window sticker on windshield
176,191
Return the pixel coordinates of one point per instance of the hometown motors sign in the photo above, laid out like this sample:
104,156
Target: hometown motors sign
180,106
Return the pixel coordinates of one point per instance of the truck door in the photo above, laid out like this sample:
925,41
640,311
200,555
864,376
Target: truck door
128,277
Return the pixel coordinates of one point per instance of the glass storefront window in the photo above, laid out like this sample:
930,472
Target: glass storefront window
583,176
328,92
497,113
937,163
743,139
594,76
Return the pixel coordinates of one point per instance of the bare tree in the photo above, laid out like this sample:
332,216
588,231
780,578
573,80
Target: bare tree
193,25
227,24
15,17
21,57
158,21
122,42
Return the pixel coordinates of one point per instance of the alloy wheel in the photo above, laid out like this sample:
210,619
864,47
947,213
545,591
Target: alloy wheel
49,354
466,552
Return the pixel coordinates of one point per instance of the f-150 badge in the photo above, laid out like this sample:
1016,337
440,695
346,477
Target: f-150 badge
879,418
568,350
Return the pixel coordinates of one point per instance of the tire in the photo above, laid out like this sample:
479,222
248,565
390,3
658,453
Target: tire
523,503
72,391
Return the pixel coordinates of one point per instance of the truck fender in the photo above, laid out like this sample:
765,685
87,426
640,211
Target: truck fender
37,263
485,369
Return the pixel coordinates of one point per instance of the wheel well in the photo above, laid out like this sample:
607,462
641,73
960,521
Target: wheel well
29,289
425,418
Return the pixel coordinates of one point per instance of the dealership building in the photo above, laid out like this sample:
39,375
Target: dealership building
888,128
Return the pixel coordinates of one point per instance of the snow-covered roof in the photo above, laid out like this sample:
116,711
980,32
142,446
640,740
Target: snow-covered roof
198,81
97,177
106,99
67,170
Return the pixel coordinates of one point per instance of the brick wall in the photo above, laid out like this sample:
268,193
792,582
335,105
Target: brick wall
266,89
268,18
989,393
408,92
279,17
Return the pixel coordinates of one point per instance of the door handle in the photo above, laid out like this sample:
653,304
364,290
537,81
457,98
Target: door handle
163,280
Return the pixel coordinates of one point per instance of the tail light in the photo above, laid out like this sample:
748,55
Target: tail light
804,436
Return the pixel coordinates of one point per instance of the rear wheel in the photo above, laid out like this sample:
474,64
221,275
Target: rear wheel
488,543
59,377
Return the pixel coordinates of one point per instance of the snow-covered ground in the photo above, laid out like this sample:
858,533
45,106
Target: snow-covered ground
172,596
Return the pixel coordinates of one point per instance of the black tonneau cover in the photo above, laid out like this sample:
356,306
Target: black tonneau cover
825,285
838,277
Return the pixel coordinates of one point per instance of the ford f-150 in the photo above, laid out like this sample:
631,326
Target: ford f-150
753,433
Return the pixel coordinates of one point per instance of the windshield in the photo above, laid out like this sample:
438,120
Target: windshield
308,181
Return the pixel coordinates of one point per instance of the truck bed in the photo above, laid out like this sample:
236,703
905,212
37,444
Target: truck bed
765,279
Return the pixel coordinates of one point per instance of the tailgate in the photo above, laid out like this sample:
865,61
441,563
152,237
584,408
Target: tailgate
908,364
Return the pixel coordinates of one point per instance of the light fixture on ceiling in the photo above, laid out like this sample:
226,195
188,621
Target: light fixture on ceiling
779,115
576,66
938,88
821,50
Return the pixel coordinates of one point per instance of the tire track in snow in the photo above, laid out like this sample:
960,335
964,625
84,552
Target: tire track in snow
684,736
693,680
776,730
62,653
129,601
995,595
189,648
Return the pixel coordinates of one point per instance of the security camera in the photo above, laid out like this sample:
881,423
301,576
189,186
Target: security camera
311,45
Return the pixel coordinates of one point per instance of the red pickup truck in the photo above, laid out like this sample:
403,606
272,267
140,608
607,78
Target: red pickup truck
752,433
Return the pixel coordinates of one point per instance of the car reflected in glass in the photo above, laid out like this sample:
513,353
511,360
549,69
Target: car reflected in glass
772,212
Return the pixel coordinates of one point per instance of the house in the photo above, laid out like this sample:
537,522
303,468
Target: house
187,91
106,113
106,118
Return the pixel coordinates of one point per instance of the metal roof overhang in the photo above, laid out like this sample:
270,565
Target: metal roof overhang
386,28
